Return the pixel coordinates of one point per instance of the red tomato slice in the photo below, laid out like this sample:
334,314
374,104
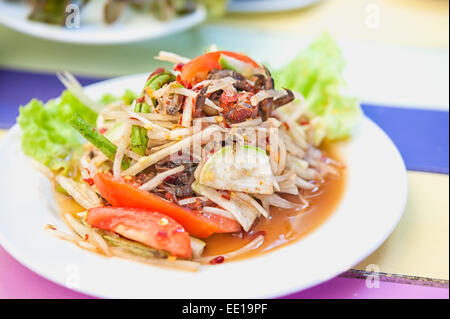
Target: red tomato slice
197,69
150,228
198,224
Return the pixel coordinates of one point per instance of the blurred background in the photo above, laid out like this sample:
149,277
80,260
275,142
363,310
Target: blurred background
397,55
385,43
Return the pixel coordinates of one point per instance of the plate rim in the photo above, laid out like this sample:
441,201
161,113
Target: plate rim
16,253
60,34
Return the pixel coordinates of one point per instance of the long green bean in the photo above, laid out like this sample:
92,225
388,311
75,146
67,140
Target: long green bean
139,138
98,140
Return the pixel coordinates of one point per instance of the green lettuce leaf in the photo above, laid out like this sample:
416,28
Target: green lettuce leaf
317,73
47,137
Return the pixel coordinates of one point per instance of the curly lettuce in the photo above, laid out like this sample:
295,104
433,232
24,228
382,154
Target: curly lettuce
317,73
47,137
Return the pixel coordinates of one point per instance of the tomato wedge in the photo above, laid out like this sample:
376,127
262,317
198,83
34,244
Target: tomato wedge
198,224
150,228
197,69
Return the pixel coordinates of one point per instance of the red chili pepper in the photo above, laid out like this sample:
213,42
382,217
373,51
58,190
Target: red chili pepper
102,130
286,126
170,197
178,67
90,181
178,79
217,260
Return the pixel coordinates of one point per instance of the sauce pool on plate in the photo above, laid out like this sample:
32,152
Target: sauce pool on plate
284,226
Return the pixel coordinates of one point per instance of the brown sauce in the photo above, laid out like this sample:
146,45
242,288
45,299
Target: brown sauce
282,228
66,204
286,226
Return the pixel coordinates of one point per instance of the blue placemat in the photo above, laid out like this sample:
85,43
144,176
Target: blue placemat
422,136
19,87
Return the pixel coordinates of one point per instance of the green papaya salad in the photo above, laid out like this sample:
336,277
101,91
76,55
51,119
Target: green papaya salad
211,149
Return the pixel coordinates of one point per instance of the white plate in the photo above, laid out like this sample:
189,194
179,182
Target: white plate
373,203
131,26
268,5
